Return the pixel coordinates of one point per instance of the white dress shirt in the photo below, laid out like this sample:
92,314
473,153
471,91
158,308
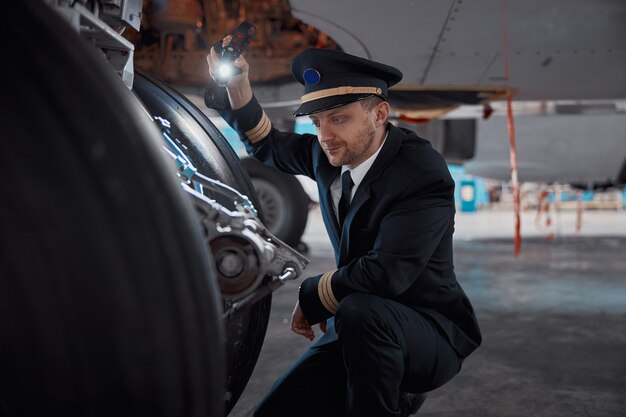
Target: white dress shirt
357,175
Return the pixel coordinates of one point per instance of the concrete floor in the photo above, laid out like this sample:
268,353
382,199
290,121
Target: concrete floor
553,319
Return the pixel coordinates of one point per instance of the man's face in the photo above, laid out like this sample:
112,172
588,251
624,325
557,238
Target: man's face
347,134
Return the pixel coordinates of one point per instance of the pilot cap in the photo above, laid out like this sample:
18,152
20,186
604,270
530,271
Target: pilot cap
333,78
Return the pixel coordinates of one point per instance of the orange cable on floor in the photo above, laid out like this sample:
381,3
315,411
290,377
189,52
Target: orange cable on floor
514,179
511,128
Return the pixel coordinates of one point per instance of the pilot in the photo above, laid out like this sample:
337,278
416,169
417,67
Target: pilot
395,321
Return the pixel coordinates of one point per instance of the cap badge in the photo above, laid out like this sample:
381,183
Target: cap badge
311,76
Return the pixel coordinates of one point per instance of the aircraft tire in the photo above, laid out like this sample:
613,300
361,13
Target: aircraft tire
284,203
108,301
211,154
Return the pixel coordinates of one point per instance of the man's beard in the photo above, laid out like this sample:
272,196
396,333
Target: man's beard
356,151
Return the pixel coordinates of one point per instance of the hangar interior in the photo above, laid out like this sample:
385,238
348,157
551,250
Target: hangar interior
137,262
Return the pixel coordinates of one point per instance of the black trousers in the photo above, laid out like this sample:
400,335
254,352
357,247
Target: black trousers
383,348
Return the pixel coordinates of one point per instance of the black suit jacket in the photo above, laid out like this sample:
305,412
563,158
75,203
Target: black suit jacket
397,237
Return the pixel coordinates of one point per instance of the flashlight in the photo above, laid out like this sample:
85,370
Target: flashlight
215,96
226,68
240,39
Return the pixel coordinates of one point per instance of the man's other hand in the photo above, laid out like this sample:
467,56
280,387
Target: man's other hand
299,324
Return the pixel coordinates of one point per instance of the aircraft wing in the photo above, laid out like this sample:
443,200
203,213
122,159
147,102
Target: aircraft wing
557,49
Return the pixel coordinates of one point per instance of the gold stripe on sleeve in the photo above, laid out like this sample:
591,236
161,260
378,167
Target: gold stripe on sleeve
329,291
321,292
325,292
261,130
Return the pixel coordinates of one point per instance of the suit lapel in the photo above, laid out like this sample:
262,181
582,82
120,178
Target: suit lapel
326,174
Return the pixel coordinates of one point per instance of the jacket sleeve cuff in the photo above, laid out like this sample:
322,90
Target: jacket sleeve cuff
316,297
250,121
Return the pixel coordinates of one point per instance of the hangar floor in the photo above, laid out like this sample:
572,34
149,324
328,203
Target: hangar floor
553,319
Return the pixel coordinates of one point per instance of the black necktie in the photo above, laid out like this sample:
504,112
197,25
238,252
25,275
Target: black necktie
346,190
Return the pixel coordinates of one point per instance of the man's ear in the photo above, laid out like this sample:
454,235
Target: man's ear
382,113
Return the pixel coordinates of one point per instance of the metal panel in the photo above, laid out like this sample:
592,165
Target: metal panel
399,33
559,49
